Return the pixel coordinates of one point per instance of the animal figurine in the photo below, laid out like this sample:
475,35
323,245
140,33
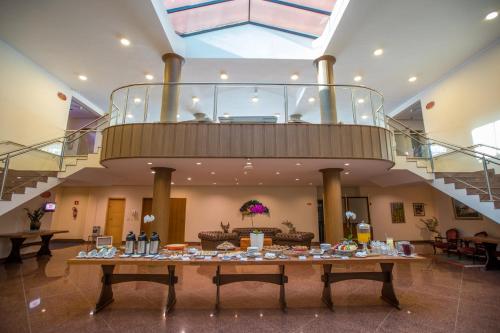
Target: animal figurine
225,227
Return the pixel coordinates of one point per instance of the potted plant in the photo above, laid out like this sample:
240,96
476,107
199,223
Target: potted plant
431,225
35,217
252,208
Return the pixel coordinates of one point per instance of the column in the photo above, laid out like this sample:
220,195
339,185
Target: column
170,96
161,201
327,99
332,205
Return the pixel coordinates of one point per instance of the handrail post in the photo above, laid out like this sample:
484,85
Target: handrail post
216,95
146,104
374,113
285,96
4,176
61,160
126,107
488,185
354,116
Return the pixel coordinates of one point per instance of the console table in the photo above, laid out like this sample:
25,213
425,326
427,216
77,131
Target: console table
490,245
328,277
17,239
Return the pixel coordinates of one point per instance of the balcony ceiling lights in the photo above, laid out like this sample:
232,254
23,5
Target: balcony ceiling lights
378,52
195,99
255,99
149,77
361,101
137,100
82,77
294,77
224,76
491,16
358,78
412,79
125,41
311,100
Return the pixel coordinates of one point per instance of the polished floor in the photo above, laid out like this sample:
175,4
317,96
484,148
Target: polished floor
41,296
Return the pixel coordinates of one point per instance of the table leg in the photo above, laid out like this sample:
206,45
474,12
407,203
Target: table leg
327,289
217,293
44,249
388,293
106,296
172,280
282,288
15,251
491,257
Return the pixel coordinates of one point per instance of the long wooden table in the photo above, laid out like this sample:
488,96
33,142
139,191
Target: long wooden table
17,239
490,245
328,277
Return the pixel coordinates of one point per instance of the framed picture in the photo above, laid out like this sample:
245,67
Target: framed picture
464,212
397,212
104,241
418,209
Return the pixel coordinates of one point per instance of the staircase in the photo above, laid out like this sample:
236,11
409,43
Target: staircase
463,173
28,171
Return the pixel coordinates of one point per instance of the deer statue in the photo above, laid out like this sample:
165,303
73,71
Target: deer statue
290,226
225,227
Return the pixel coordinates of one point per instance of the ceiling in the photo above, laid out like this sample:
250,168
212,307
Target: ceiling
228,172
424,38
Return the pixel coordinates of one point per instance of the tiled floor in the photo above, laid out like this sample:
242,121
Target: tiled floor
35,297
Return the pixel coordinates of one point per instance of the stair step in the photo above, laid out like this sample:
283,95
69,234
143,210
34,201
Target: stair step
473,174
486,197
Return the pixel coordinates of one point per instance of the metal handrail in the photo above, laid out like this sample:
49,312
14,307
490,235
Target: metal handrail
35,146
455,148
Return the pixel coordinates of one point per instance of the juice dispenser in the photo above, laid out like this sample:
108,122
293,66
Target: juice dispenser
364,233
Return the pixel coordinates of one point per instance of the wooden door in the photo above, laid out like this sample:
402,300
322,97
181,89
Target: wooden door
114,220
176,230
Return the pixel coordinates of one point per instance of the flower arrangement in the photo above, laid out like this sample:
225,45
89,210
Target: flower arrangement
149,218
431,225
252,208
350,218
35,216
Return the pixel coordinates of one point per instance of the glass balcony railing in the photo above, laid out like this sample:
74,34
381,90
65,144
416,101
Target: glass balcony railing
248,103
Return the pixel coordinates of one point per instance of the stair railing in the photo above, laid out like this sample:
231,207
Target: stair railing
469,151
6,158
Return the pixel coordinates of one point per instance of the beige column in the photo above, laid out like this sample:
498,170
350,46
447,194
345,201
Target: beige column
170,96
161,201
332,205
327,98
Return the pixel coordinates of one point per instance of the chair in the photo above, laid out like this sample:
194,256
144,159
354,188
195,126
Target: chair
448,244
474,250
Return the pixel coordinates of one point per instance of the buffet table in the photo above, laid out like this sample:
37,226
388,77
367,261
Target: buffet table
17,239
328,277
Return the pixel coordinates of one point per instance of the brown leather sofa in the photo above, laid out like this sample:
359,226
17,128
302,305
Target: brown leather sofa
210,239
294,238
245,232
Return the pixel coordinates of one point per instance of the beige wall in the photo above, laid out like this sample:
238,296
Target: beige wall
30,110
466,98
206,207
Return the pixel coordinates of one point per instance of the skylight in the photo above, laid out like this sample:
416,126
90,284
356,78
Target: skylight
305,18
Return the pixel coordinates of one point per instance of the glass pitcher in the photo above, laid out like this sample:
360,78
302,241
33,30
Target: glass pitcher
364,232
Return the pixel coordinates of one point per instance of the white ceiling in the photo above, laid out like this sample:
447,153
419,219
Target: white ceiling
425,38
136,171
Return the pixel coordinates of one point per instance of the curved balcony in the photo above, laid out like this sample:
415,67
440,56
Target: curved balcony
247,120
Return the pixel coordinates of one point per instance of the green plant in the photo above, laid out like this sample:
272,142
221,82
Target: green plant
431,224
35,216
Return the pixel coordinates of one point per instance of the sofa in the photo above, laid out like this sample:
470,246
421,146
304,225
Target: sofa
210,239
294,238
245,232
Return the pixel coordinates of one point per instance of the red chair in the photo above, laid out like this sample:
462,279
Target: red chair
474,250
448,244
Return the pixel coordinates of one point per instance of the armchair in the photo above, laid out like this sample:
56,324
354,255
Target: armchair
475,250
447,244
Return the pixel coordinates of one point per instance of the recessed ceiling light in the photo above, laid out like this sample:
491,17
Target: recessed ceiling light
125,42
297,179
358,78
212,173
412,79
255,99
311,100
346,173
198,163
83,77
364,116
378,52
150,163
19,177
214,183
172,183
129,116
237,183
149,77
189,178
491,16
248,163
153,172
346,164
298,164
224,76
361,100
294,77
245,172
137,100
310,183
260,183
277,172
195,99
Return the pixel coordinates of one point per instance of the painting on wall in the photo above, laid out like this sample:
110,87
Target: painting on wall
397,212
418,209
464,212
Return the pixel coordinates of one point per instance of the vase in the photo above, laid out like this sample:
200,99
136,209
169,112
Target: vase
35,225
257,240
